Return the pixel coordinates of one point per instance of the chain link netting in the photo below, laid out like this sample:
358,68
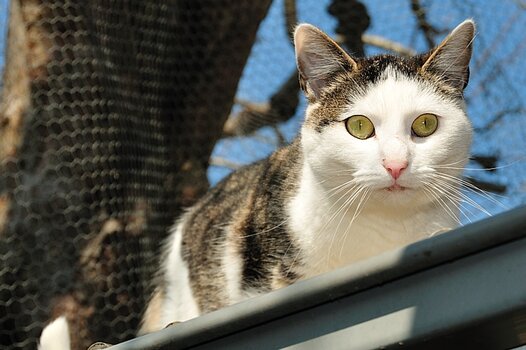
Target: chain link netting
110,112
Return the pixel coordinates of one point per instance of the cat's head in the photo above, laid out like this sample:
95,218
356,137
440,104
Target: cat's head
394,125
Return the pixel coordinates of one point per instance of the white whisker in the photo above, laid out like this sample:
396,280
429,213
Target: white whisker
441,203
472,188
359,209
457,194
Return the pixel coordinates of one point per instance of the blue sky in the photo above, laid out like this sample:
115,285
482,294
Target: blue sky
3,29
501,39
497,84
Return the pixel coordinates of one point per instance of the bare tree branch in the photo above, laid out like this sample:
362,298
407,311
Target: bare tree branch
487,186
488,162
429,31
353,20
281,107
225,163
493,48
386,44
291,18
263,107
500,115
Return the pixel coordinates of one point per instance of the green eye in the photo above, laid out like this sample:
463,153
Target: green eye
359,126
425,125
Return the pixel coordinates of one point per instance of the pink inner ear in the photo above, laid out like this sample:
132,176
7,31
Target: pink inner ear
318,57
315,80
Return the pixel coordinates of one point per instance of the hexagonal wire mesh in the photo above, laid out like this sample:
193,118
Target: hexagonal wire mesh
110,112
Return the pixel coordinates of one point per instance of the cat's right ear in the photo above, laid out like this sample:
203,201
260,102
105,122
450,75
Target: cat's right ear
319,59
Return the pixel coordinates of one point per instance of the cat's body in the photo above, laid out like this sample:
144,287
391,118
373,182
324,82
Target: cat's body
240,247
339,193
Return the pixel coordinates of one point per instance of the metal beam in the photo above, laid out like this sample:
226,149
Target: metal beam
463,289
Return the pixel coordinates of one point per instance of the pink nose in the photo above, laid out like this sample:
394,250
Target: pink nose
395,167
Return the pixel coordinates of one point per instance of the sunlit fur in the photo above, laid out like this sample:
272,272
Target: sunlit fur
326,200
345,185
55,336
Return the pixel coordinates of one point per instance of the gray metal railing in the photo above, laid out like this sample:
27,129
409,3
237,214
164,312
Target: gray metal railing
464,289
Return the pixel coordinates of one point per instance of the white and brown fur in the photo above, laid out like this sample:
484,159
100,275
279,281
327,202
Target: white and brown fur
296,214
328,199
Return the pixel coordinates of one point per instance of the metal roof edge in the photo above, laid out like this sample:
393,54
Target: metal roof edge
356,278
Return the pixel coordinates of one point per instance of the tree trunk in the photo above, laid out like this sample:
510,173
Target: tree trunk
109,113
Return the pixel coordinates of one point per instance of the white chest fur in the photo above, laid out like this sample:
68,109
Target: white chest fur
179,303
329,238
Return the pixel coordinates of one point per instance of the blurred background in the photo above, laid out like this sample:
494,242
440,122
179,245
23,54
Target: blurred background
115,115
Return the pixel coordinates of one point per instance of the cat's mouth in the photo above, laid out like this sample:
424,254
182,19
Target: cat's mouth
395,187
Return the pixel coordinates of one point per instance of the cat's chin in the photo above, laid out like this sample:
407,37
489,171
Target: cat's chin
398,190
400,196
395,188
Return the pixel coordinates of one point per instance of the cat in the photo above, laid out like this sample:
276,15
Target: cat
373,168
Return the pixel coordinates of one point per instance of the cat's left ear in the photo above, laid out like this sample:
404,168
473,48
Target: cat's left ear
450,59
